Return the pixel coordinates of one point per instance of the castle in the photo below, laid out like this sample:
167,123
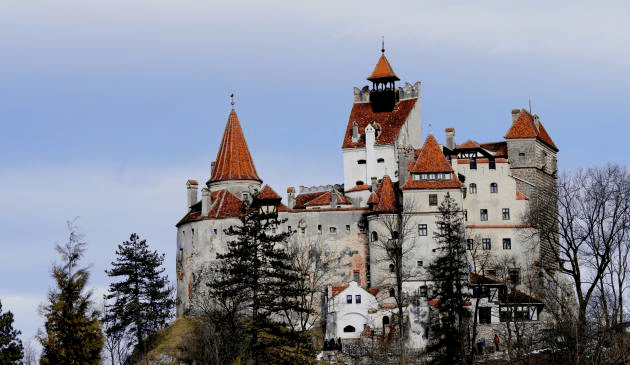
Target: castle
390,172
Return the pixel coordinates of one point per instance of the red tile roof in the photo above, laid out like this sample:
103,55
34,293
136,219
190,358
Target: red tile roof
386,196
525,127
267,193
499,148
234,162
302,199
468,145
431,160
383,70
390,122
326,199
336,289
224,205
517,297
358,188
373,198
373,291
521,196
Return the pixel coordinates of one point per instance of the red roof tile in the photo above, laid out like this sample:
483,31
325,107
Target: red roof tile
302,199
373,198
326,199
234,162
390,122
521,196
525,127
468,145
336,289
223,205
373,291
383,70
358,188
386,196
267,193
431,160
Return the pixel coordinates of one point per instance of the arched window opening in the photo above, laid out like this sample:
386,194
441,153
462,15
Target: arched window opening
391,267
374,236
472,188
385,321
494,188
361,162
359,182
349,329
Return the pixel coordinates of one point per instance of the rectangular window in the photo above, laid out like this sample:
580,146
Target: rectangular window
432,199
419,263
469,244
466,215
473,164
349,299
357,299
422,229
333,229
485,315
515,276
494,188
483,214
356,276
347,228
416,177
319,229
505,213
423,291
486,244
507,243
289,229
505,314
492,165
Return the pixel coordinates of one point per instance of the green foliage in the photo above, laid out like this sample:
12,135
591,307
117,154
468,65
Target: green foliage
258,278
72,329
448,271
11,349
142,301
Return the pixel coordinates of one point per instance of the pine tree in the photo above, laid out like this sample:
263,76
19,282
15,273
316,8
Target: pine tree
257,269
72,329
142,302
448,271
11,349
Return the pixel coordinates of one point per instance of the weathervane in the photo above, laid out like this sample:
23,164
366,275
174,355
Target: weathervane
232,103
383,44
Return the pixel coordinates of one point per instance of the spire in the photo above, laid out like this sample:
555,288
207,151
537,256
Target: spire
383,71
233,162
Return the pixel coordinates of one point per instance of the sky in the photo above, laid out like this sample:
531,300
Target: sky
107,107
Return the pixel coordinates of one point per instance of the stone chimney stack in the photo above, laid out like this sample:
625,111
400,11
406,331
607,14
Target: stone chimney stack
333,198
450,138
191,190
515,113
290,197
537,121
355,132
206,202
212,168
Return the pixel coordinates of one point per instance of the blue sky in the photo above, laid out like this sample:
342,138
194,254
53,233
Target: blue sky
108,107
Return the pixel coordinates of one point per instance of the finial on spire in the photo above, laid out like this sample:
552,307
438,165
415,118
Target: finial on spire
232,103
382,44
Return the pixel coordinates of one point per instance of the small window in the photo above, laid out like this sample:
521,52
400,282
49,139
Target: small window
515,276
392,292
374,236
472,188
361,162
357,299
391,267
319,229
494,188
521,154
419,263
288,228
431,176
422,229
333,229
507,243
348,299
348,328
492,165
359,183
473,164
215,231
485,315
347,228
469,244
380,160
416,177
385,321
491,272
505,213
465,215
356,276
423,291
483,214
486,244
432,199
246,197
505,314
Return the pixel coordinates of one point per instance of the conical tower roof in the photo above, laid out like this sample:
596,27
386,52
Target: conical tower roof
383,71
233,162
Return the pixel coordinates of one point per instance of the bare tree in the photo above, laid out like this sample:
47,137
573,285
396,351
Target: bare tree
583,229
480,260
394,245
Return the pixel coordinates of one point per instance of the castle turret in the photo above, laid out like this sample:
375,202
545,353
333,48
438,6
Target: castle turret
383,94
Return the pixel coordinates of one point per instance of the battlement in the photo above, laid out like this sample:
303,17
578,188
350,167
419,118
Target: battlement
320,188
405,92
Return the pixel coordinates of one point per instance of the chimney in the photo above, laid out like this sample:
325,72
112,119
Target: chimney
206,202
191,190
374,183
212,168
515,113
355,132
450,138
333,198
290,197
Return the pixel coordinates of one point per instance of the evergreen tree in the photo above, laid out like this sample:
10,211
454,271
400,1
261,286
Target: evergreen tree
448,271
258,270
142,302
72,329
11,349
